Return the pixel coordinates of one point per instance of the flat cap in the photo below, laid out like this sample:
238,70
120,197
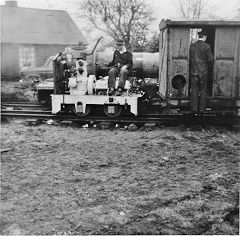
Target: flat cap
202,33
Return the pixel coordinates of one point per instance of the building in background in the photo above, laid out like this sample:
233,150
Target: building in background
29,36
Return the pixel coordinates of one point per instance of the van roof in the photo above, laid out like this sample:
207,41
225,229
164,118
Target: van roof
197,23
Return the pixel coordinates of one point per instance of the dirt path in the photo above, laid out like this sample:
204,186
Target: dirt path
58,180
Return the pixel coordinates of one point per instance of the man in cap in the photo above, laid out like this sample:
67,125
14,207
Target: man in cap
122,63
201,59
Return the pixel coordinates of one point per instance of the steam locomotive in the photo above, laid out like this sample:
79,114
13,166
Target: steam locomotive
159,82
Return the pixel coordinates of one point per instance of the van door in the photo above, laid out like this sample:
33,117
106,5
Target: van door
178,68
225,62
163,49
238,66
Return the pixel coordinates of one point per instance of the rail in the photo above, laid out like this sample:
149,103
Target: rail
39,111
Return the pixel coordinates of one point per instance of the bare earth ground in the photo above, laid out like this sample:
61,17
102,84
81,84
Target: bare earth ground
69,180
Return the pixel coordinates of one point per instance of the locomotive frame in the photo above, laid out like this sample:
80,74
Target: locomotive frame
172,75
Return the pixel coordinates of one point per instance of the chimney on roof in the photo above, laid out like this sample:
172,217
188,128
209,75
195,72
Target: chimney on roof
11,3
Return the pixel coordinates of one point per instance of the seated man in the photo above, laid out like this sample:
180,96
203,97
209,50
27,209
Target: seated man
122,62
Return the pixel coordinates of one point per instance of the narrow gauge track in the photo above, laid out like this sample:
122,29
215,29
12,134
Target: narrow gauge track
24,105
39,111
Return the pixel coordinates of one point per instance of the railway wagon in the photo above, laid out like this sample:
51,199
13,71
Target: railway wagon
224,76
83,89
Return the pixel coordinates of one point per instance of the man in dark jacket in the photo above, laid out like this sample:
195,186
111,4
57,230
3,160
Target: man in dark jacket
201,59
122,63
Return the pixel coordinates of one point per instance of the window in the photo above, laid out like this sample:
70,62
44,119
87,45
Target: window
26,56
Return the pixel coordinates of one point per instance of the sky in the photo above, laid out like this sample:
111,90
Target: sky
165,7
162,8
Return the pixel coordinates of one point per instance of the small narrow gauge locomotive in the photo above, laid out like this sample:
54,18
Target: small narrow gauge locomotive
159,82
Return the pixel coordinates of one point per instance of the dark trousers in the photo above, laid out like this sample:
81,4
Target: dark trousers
113,73
198,93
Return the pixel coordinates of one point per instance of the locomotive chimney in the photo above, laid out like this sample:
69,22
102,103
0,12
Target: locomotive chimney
11,3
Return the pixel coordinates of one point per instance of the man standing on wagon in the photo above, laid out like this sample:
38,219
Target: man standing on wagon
201,58
122,63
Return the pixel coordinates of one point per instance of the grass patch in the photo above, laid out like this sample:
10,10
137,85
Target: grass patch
17,92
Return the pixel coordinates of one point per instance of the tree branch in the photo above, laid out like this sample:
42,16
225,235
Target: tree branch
120,18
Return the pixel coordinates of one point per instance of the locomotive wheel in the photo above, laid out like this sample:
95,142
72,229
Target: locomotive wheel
112,110
79,112
91,84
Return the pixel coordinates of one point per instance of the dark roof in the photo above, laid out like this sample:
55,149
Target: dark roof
197,23
38,26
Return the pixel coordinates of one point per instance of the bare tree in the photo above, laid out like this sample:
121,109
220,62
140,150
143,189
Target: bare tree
190,8
121,19
237,15
193,9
